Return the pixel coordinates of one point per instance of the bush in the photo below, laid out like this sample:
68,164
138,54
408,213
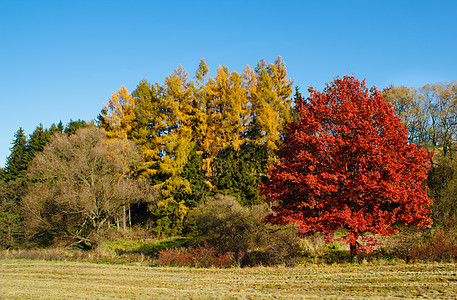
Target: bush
226,225
200,257
436,244
314,249
223,223
439,244
396,246
280,245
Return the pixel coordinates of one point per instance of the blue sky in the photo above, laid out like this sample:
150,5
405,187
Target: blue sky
61,60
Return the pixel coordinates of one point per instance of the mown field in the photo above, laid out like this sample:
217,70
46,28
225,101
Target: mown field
34,279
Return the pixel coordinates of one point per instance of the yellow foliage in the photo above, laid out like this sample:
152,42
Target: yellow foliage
118,114
270,94
227,114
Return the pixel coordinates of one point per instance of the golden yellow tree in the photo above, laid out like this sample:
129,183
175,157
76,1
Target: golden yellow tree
198,102
271,103
118,114
227,114
176,143
148,126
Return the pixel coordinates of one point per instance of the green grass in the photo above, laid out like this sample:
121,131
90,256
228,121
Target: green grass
150,247
36,279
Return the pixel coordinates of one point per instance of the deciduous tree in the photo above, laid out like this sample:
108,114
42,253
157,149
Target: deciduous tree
347,163
118,114
271,104
78,184
409,106
227,114
148,126
430,113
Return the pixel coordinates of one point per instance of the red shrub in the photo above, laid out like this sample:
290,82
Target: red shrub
440,245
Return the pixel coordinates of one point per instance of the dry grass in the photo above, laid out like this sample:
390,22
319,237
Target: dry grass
32,279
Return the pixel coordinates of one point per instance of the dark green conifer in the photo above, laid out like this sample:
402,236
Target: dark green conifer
16,163
240,173
36,142
73,126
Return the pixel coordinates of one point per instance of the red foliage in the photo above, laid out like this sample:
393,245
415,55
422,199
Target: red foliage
347,163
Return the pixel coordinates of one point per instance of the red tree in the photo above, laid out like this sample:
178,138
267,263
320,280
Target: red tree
347,163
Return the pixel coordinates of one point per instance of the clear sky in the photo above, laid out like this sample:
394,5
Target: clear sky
61,60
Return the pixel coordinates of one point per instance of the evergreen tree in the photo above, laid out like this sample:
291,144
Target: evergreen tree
240,173
11,191
194,173
11,226
73,126
37,141
24,150
56,128
16,163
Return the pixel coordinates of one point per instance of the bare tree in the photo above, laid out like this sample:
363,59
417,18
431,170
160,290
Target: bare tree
79,184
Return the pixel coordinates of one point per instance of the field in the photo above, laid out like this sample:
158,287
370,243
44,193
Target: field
35,279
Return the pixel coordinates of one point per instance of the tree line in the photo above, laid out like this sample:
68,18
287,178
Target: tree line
430,114
156,153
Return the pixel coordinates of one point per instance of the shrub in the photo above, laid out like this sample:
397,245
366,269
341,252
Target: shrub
436,244
397,246
280,245
314,249
223,223
440,244
226,225
200,257
313,245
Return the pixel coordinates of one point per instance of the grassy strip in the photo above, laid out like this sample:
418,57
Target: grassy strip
110,252
49,280
147,247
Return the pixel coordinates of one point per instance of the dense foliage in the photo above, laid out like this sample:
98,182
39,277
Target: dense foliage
347,163
187,157
218,122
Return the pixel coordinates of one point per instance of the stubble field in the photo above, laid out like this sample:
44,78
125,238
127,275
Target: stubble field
31,279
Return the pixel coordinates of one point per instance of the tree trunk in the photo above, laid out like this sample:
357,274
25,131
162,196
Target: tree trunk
124,219
130,218
353,248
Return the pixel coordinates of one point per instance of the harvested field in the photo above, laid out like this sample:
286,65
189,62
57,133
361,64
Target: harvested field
31,279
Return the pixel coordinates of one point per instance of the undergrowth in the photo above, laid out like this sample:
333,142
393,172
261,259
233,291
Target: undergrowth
436,244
